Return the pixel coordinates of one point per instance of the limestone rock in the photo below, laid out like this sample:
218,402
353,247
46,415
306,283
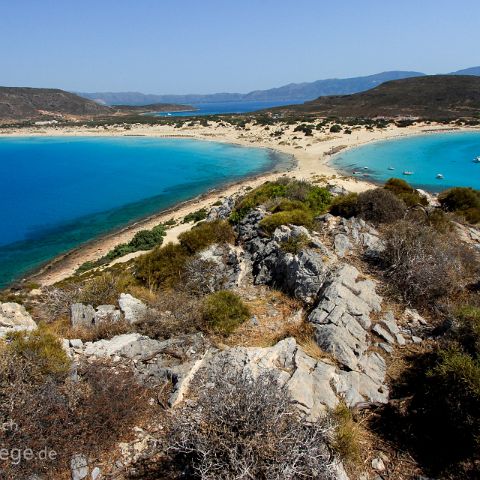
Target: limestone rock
105,313
132,308
82,315
342,245
14,317
79,467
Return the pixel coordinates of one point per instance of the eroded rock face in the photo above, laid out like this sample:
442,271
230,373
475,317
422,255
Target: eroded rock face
228,260
14,316
301,274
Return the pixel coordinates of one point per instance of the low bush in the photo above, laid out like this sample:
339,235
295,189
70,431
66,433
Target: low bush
104,288
405,192
63,416
41,349
242,424
163,267
380,206
345,206
346,441
462,200
336,128
174,312
293,217
196,216
224,311
295,244
424,264
206,234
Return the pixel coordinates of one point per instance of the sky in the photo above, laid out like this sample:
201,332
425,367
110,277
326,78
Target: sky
207,46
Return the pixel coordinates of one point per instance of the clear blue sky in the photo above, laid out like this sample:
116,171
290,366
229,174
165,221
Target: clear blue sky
205,46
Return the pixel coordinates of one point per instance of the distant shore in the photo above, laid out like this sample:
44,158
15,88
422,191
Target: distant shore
312,155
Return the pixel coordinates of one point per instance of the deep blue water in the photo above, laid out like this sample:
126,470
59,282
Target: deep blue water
449,154
57,193
224,107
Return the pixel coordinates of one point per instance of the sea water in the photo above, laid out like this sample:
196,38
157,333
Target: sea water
59,192
450,155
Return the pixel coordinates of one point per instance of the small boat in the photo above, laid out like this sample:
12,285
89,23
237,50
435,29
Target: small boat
477,159
365,168
439,176
391,168
407,172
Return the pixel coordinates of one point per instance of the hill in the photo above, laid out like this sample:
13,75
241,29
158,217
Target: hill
468,71
300,92
433,97
43,103
154,107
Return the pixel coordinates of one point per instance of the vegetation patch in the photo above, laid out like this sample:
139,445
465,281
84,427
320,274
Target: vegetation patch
224,311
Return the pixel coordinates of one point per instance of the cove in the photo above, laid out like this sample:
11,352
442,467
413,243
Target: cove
449,154
60,192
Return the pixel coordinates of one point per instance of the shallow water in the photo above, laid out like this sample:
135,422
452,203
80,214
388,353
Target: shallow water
58,193
426,156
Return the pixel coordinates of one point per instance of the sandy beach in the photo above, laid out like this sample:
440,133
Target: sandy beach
311,154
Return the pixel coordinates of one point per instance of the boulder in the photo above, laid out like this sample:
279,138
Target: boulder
82,315
107,313
14,317
132,308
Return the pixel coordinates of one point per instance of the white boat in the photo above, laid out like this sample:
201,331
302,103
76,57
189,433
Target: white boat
391,168
439,176
477,159
406,172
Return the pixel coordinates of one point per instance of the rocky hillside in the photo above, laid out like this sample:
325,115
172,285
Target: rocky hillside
430,97
45,103
305,337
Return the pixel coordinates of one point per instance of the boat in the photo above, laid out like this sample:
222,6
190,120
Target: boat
407,172
391,168
365,168
439,176
477,159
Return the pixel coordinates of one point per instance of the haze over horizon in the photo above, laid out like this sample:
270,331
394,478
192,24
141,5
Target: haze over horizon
214,46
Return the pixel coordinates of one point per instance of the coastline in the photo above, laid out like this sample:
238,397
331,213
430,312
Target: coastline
311,157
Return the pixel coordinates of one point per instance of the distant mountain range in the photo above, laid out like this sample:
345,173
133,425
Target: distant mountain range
433,97
293,92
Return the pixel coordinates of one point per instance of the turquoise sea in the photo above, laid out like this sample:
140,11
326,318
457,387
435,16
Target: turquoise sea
426,156
58,193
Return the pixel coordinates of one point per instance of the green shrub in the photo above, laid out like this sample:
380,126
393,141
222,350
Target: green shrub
468,329
224,311
315,199
196,216
346,441
463,200
405,192
380,206
293,217
345,206
147,239
163,267
335,128
205,234
40,348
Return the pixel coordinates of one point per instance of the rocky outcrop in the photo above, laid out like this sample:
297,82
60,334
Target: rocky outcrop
133,309
301,274
153,361
227,259
14,317
86,316
222,211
